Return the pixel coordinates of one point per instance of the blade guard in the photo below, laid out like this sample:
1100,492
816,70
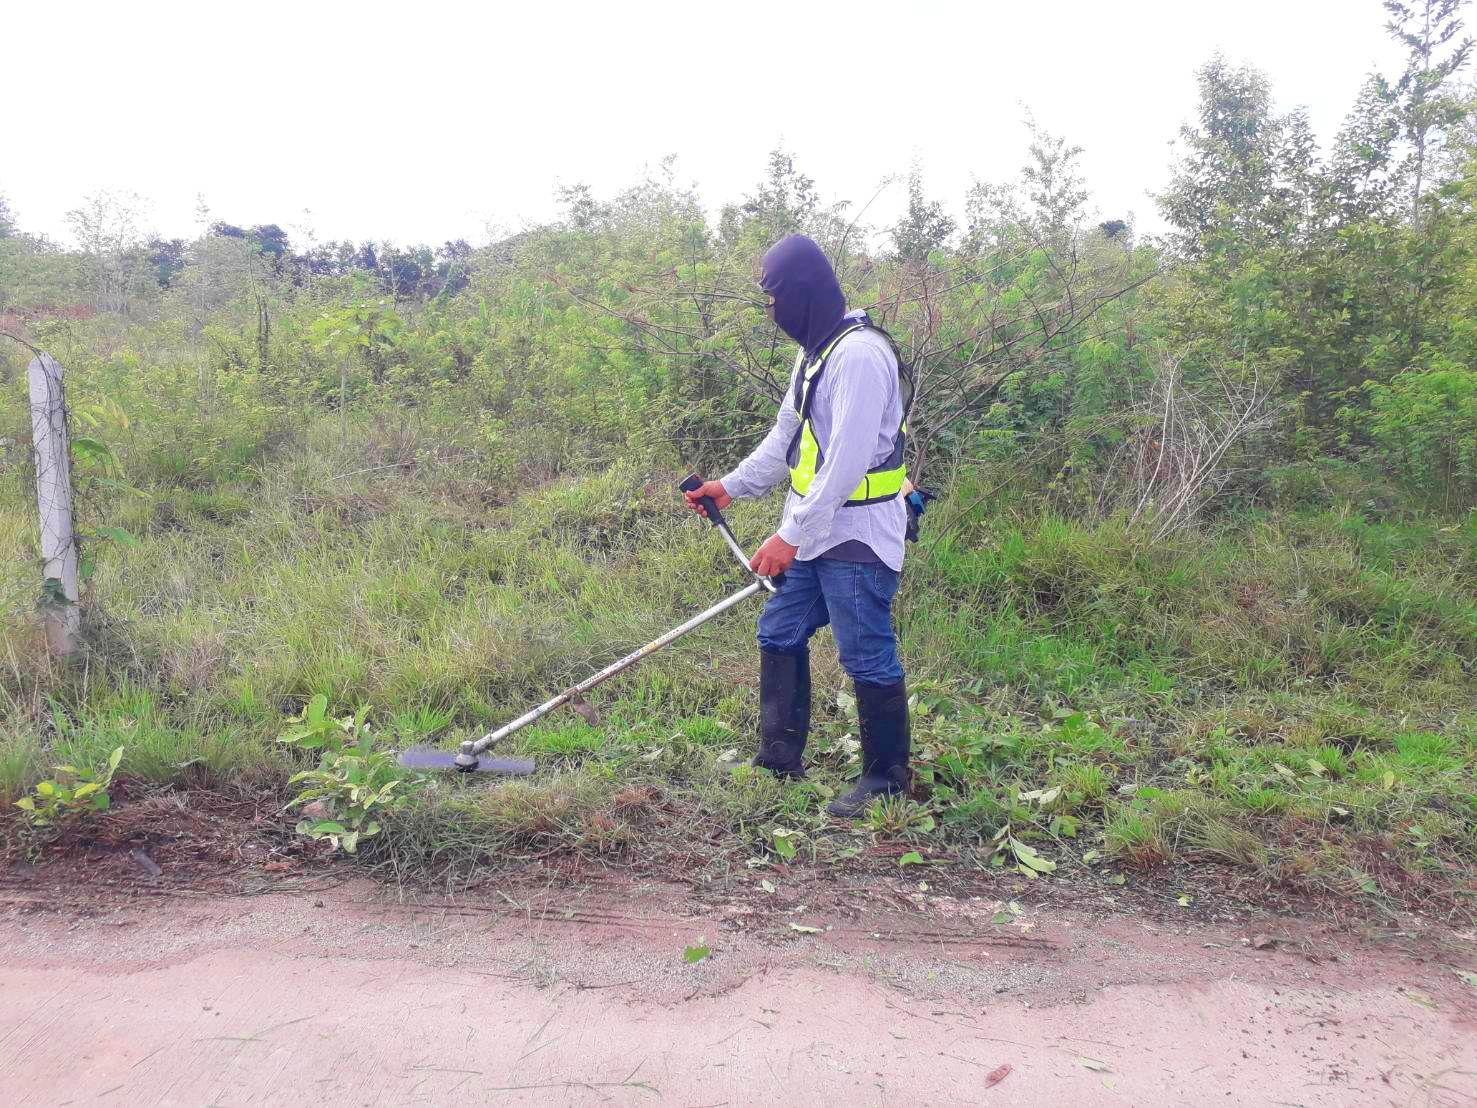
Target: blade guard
429,758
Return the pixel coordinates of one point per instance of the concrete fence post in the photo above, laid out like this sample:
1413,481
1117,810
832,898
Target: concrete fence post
53,455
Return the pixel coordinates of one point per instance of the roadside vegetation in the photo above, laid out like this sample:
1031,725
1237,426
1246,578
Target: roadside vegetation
1201,586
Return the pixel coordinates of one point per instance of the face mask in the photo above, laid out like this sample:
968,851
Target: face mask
808,302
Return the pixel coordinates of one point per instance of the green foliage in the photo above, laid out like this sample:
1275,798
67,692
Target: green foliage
354,786
360,329
1425,421
73,794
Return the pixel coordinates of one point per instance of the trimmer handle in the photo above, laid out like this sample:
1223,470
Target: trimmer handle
715,517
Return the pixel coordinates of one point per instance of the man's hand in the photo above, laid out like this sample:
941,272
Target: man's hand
714,489
773,557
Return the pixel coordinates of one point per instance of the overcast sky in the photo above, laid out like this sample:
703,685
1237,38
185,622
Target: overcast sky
424,122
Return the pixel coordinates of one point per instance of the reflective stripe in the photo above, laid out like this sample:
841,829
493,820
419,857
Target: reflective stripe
880,484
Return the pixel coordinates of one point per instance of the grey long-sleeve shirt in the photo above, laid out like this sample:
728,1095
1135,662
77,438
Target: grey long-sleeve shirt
855,416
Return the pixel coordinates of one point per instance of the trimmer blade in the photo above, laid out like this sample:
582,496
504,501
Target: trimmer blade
429,758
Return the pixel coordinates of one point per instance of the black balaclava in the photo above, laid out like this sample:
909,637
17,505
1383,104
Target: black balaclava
808,301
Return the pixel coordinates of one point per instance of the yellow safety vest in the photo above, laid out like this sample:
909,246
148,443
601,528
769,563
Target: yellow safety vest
881,483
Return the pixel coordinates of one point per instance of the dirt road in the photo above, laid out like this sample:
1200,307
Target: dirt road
341,997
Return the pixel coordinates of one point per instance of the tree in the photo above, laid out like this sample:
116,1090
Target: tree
453,267
107,228
270,241
1045,204
925,227
785,203
1054,183
582,212
360,330
1361,171
1421,98
167,258
7,218
1245,176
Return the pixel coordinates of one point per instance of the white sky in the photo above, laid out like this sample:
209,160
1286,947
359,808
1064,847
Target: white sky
426,122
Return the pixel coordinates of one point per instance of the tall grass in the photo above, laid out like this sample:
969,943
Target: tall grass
1279,686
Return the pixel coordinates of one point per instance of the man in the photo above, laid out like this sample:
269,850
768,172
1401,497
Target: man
838,442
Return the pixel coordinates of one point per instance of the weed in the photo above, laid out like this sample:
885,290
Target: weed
1135,837
73,794
354,785
1082,784
898,817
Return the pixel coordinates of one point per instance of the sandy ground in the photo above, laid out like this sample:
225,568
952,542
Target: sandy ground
323,994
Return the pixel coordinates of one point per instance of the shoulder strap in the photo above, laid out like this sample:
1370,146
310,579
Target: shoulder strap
904,367
805,383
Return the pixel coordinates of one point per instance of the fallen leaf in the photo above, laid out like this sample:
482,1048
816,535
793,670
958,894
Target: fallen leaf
1184,902
1420,998
911,858
804,929
997,1075
694,954
1001,917
1469,978
767,885
1094,1065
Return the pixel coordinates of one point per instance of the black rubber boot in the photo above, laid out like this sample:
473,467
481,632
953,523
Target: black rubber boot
883,717
784,712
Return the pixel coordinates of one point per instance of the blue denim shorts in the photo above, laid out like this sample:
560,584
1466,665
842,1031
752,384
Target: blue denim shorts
854,598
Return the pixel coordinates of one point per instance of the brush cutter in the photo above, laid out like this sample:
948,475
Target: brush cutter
470,759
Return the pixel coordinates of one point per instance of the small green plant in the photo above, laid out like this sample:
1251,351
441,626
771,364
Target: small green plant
698,952
783,840
354,786
1135,836
314,729
1076,732
898,815
71,795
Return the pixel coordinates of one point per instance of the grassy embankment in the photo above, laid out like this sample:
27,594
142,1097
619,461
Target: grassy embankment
1292,693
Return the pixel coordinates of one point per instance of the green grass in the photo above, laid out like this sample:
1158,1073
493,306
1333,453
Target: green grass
1284,692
